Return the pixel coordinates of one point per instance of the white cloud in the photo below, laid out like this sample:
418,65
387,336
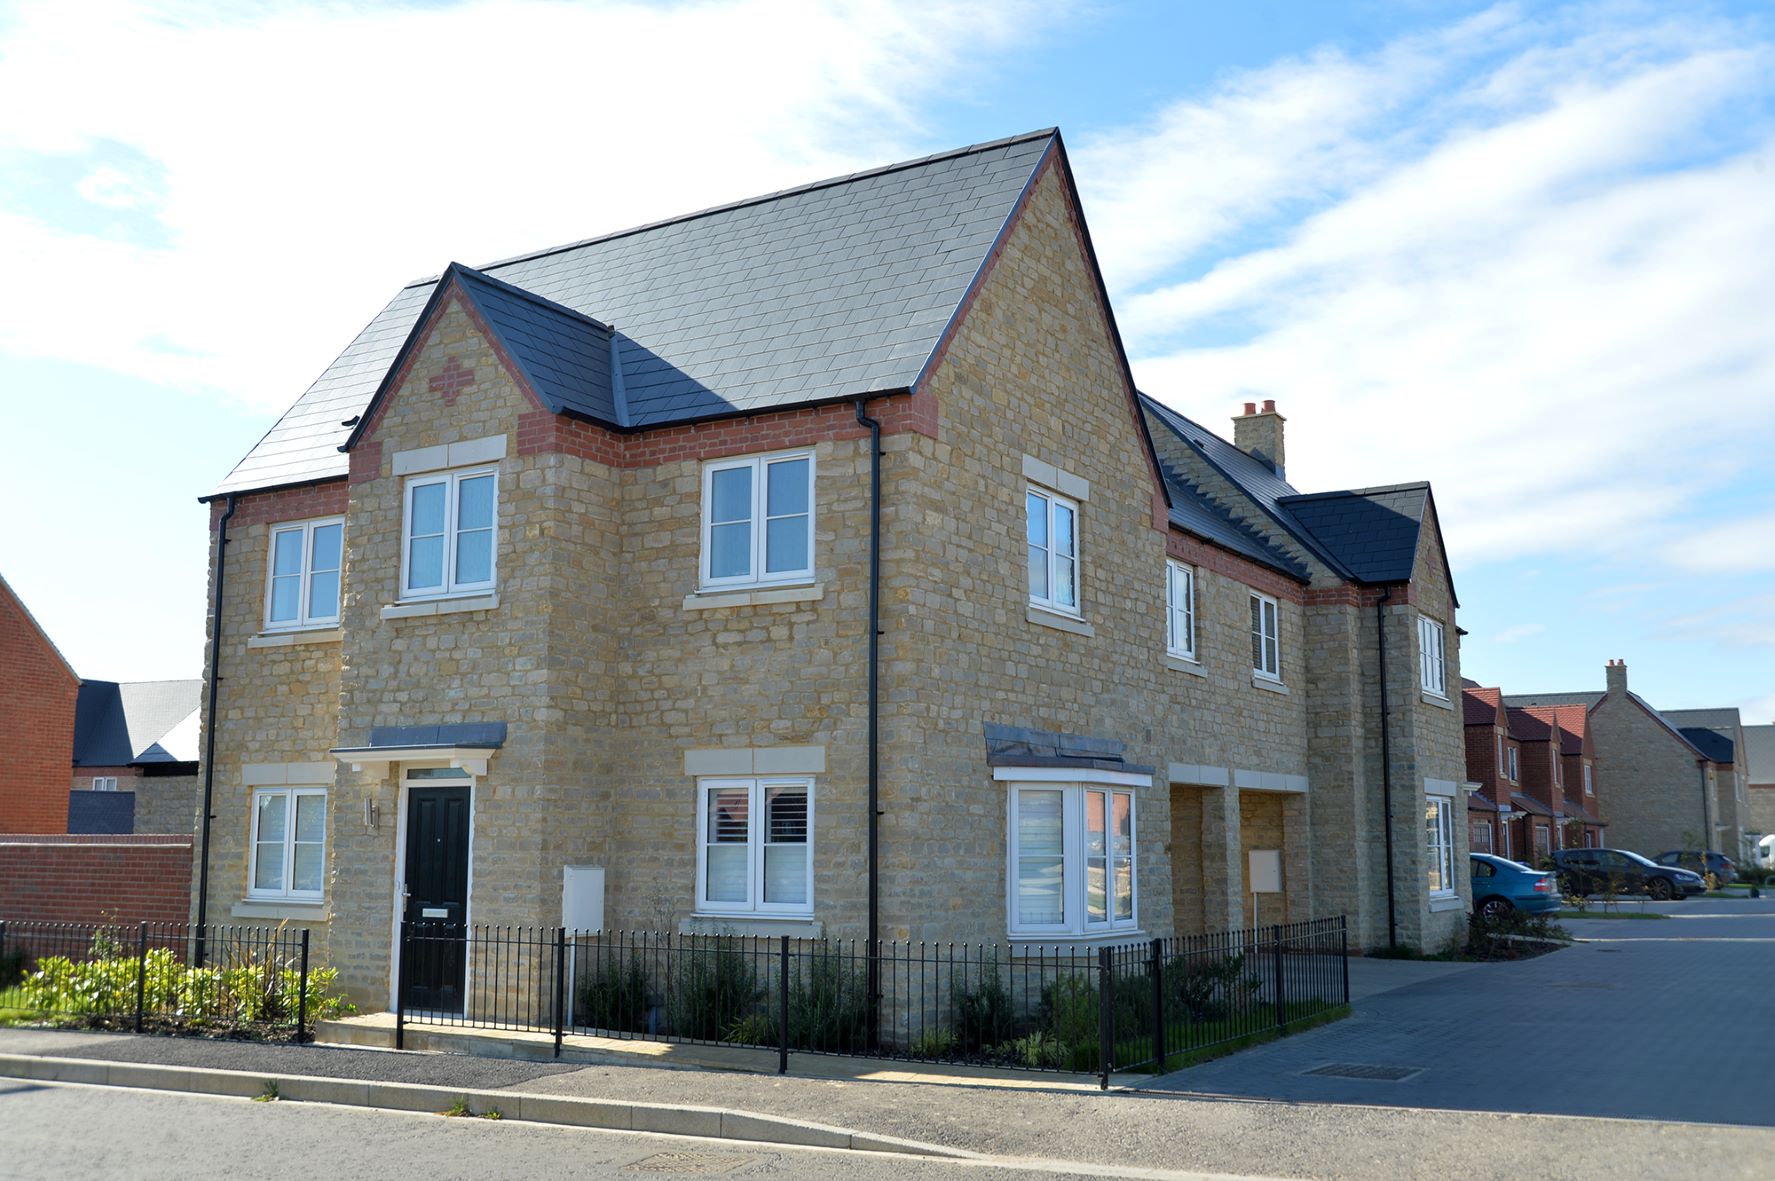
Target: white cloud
1743,545
1550,297
311,159
1518,632
1747,621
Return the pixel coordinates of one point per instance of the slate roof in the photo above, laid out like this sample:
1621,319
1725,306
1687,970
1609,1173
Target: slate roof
1713,719
1715,746
1365,535
828,291
1524,700
1193,509
1373,531
566,356
135,722
1479,707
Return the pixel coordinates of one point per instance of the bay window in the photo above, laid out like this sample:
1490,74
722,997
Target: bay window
1439,845
1072,859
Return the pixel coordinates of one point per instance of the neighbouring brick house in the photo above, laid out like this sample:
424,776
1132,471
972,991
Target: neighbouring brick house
135,758
1581,816
1668,787
567,562
1494,763
36,722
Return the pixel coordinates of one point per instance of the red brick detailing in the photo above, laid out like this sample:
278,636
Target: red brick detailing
455,378
36,723
90,879
282,504
540,431
366,461
1186,548
1348,594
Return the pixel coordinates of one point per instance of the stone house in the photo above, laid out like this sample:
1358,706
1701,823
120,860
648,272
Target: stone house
1759,790
135,758
1668,787
36,722
810,565
1721,734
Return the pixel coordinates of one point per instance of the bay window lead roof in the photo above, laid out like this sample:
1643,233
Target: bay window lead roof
832,290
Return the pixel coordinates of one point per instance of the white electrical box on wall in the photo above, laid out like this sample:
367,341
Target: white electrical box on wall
582,898
1265,871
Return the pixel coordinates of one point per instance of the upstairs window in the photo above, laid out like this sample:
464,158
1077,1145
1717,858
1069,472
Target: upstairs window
1053,537
755,846
104,783
1266,638
302,574
1589,785
1432,657
449,534
1514,769
758,520
1180,610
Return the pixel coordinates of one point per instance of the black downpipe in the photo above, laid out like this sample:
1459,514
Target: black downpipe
209,739
874,944
1380,644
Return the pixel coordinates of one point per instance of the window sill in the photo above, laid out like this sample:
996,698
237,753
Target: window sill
307,635
418,607
1183,664
1437,700
751,924
1022,945
1438,904
758,596
1060,622
1269,685
266,908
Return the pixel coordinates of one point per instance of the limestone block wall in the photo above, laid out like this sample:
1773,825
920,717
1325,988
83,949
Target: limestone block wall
1655,784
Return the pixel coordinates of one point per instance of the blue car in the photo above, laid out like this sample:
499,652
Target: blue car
1501,886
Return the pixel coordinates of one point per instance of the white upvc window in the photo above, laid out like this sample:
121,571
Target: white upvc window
1439,845
104,783
754,852
1432,657
302,573
1515,768
449,534
1180,610
1053,541
1072,860
1589,784
758,520
1266,638
288,858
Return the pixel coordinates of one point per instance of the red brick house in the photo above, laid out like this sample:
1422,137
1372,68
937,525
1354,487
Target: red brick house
1581,812
1494,761
36,722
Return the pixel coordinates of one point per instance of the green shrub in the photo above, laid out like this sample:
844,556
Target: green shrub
713,986
1207,988
984,1015
754,1029
829,1008
1069,1018
933,1043
613,995
1038,1051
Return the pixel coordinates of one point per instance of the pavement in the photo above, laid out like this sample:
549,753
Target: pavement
1641,1019
1619,1027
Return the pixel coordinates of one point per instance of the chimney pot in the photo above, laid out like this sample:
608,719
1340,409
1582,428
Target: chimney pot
1251,407
1269,405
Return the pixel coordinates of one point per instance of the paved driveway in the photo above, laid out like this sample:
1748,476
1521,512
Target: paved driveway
1671,1020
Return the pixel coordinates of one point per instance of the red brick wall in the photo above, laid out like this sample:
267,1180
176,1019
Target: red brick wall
36,724
89,879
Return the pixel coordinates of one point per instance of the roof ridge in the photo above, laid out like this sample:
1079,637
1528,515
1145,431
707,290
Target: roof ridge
796,190
1374,491
539,300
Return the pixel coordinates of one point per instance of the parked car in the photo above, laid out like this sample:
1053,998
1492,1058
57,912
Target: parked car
1501,885
1695,861
1593,871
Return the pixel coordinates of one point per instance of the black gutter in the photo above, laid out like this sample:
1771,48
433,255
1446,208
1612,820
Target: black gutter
874,934
1380,644
209,737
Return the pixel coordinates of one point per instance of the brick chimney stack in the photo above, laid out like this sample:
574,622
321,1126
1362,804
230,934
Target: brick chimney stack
1617,674
1258,433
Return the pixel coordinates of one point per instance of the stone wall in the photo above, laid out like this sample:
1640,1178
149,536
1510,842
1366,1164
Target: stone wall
1655,783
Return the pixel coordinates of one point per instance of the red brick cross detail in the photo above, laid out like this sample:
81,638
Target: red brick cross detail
455,378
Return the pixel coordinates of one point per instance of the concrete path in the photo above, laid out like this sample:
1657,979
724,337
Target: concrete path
1646,1019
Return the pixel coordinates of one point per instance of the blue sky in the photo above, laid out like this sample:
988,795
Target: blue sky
1522,250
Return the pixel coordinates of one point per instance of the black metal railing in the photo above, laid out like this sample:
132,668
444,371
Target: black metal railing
1136,1006
148,976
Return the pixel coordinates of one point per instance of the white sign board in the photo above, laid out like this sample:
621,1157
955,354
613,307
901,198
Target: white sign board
1264,871
582,897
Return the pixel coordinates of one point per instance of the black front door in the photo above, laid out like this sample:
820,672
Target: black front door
432,960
